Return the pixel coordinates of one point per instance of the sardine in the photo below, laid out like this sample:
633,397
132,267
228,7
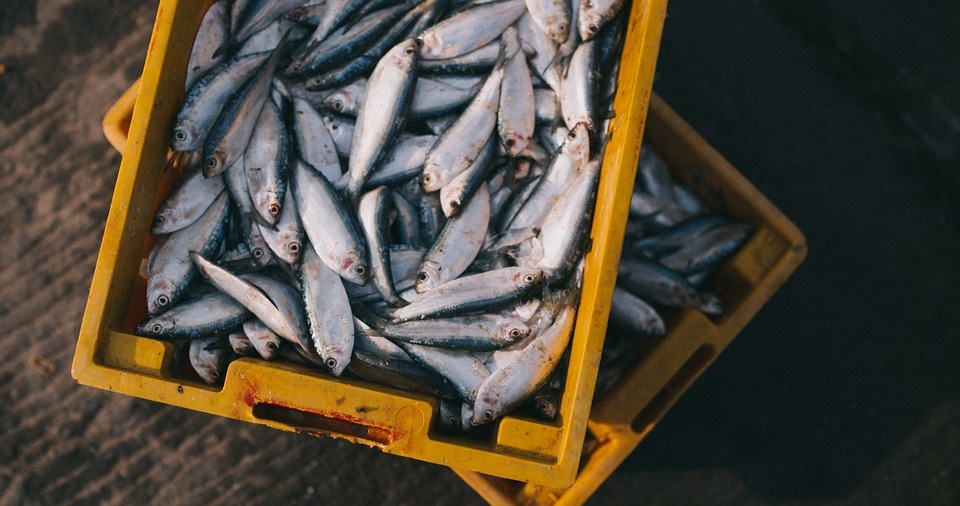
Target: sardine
383,114
187,201
480,332
265,163
516,114
633,314
458,243
480,292
522,377
462,370
594,15
328,312
469,29
214,30
211,313
552,16
314,141
373,210
328,224
230,133
660,285
209,357
202,105
265,341
169,270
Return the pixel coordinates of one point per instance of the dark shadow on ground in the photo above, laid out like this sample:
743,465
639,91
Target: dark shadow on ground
855,137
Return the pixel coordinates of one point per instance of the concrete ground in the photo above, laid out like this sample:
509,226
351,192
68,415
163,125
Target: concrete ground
843,390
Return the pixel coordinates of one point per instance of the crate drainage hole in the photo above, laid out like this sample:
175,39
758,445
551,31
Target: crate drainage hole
314,422
660,402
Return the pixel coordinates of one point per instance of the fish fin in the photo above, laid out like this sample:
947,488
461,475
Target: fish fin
256,217
370,317
228,45
219,344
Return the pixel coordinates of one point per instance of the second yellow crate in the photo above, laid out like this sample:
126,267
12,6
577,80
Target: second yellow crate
665,368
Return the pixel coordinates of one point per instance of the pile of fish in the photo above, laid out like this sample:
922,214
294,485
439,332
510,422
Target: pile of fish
400,190
673,244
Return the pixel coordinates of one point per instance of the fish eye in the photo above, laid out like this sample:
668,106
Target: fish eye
515,333
331,363
509,143
273,209
361,270
418,42
543,406
562,26
427,178
157,328
592,27
487,415
257,253
211,163
529,278
454,204
571,135
294,247
334,126
422,276
163,300
337,105
409,50
272,346
158,220
179,135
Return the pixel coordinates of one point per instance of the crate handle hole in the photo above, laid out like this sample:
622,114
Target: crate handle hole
316,423
658,405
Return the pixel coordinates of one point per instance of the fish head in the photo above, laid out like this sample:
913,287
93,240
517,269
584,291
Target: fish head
546,404
451,198
335,358
165,217
528,278
159,326
511,330
341,100
160,294
292,246
404,55
241,344
514,142
578,142
487,408
295,68
590,21
428,276
431,44
431,179
266,343
214,163
557,27
353,268
185,136
269,201
207,359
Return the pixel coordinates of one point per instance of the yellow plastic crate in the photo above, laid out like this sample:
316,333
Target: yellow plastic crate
293,398
667,367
